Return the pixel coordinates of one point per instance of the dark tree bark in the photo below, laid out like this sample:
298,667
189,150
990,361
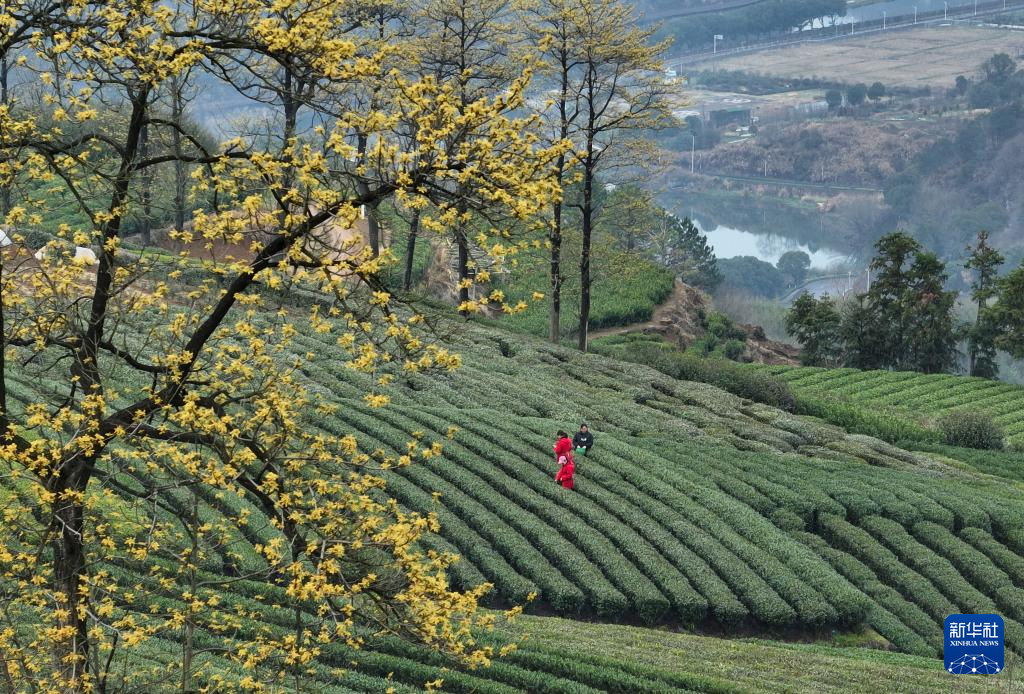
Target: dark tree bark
146,181
180,183
67,524
555,324
588,228
372,226
463,265
410,249
5,190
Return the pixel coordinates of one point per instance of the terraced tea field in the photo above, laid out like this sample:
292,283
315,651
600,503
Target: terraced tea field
915,397
696,510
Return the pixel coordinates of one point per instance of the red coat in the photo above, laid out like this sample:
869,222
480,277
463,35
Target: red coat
563,447
564,476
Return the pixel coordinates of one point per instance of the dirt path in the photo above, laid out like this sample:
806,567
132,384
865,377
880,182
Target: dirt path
679,301
678,321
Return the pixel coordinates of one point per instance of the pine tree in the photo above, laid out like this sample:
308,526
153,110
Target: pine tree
931,336
679,245
984,261
885,331
1008,314
905,320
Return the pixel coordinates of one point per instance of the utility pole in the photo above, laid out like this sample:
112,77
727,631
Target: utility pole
915,14
945,11
693,149
884,15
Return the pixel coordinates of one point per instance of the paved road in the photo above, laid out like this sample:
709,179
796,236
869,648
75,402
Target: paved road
894,23
834,285
760,180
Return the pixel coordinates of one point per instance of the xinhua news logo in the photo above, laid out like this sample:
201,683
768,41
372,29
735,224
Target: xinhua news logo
974,644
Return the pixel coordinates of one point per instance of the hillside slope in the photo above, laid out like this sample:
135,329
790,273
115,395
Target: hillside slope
919,399
696,509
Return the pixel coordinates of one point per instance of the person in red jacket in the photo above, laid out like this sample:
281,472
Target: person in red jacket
563,446
565,472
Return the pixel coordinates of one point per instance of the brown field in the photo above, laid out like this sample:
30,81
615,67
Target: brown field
925,57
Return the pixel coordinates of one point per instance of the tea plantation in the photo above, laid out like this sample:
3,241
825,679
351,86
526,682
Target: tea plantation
696,510
910,398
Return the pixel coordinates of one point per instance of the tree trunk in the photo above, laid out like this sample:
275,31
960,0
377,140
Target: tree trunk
463,243
973,342
146,226
373,229
363,188
67,528
188,629
555,325
410,249
588,219
177,108
5,190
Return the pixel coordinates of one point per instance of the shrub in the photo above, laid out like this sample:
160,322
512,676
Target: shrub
729,376
858,418
971,430
35,238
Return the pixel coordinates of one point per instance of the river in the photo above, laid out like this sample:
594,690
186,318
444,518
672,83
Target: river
766,227
730,243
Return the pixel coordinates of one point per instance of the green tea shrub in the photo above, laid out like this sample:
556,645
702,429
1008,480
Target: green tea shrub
727,375
971,430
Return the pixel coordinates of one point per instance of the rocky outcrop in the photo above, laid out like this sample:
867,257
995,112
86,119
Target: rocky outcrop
680,320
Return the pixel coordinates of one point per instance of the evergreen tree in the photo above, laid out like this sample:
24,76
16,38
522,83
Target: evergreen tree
931,336
834,99
681,246
984,261
905,320
794,265
815,323
856,94
885,331
859,335
1008,314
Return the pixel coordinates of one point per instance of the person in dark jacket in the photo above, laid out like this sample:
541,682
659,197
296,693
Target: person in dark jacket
583,439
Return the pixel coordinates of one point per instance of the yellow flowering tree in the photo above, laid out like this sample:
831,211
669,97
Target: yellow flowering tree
162,378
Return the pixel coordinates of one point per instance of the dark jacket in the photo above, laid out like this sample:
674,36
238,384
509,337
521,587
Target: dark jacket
583,440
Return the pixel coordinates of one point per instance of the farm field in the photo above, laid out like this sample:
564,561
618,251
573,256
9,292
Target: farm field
748,664
925,57
917,399
697,510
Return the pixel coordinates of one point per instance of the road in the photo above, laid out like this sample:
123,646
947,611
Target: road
985,8
760,180
833,285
